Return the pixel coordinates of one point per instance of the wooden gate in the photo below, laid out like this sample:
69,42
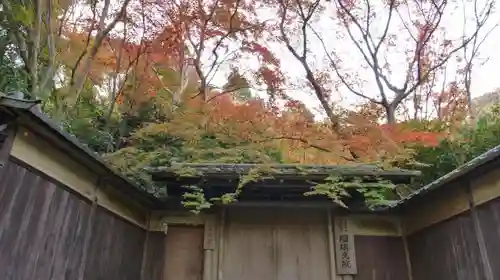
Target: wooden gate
183,253
274,245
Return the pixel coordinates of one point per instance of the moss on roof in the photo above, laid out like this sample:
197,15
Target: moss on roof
227,170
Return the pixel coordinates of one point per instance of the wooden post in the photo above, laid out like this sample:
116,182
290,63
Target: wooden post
88,232
331,247
145,247
208,248
407,251
10,129
344,248
220,247
215,253
488,273
164,226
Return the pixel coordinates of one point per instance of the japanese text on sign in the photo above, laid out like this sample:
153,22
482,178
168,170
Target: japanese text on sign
344,247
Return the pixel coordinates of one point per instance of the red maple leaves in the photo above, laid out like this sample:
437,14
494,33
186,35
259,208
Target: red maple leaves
400,133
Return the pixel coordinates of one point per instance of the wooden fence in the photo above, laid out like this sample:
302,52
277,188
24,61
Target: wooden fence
47,232
457,249
456,229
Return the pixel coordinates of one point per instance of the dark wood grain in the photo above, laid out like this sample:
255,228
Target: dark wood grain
7,136
489,218
43,229
154,256
115,249
448,250
380,258
184,253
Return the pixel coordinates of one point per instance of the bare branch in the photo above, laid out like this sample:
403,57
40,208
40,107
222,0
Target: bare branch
421,43
432,69
51,66
336,68
75,67
371,53
226,35
77,86
318,90
475,46
35,35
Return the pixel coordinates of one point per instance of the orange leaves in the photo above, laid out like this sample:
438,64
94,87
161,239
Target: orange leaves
451,103
269,73
292,104
424,138
263,52
214,33
402,134
169,43
229,121
251,123
203,35
271,78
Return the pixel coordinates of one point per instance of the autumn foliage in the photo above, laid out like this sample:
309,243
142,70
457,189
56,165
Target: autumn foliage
151,82
169,68
255,127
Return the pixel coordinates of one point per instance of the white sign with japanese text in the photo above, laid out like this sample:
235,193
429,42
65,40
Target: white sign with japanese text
344,247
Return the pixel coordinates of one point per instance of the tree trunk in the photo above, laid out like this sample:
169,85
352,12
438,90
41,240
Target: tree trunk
390,112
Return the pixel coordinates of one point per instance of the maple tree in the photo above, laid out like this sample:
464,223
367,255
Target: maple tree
404,47
181,45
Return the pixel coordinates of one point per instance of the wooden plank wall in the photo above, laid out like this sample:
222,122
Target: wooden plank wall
275,244
42,227
184,253
454,231
380,258
47,232
154,256
115,249
489,218
451,249
301,252
448,250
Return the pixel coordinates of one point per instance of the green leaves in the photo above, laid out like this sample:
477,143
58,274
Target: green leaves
195,199
468,142
337,188
13,76
22,14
